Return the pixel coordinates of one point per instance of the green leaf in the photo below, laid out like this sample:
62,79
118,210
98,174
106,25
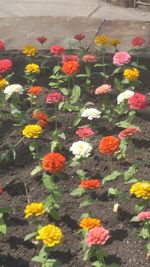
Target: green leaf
118,84
78,192
77,120
64,91
86,203
117,70
145,233
139,207
3,227
114,175
81,173
54,214
32,146
56,69
130,173
30,236
101,65
48,182
6,209
36,170
148,246
97,264
123,124
76,91
112,191
81,75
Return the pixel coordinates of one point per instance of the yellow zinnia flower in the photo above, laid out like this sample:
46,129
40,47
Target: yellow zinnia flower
114,42
3,83
29,50
50,234
131,74
141,190
101,40
32,131
88,223
36,209
32,68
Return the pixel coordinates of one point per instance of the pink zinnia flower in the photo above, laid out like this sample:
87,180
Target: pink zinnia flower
67,58
121,58
54,97
105,88
144,215
89,58
2,45
57,50
79,36
138,41
5,65
84,132
137,101
97,236
128,132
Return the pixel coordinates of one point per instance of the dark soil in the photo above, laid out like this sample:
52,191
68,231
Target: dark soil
124,248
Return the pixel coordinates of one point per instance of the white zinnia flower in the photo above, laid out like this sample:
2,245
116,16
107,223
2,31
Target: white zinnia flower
91,113
125,95
81,149
13,88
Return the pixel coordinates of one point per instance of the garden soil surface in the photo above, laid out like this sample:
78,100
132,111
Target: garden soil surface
125,247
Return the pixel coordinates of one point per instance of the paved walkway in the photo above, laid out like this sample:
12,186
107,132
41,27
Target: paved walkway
72,8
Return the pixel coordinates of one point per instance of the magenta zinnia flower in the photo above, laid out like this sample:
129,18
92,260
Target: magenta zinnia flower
121,58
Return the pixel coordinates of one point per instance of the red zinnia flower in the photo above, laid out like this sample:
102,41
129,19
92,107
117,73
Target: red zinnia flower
138,41
67,58
35,90
79,36
84,132
53,162
128,132
70,67
2,45
54,97
109,145
137,101
1,190
90,184
41,39
42,118
57,50
5,65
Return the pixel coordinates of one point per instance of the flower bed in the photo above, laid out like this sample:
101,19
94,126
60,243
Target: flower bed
75,156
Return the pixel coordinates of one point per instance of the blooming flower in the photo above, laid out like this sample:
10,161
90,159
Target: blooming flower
79,36
137,101
128,132
109,145
54,97
88,223
89,58
144,215
53,162
3,83
29,50
114,42
34,208
13,88
66,58
1,190
57,50
131,74
121,58
141,190
101,40
91,113
90,184
97,236
124,95
41,39
32,68
2,45
105,88
32,131
5,65
70,67
35,90
81,149
50,234
138,41
42,118
85,132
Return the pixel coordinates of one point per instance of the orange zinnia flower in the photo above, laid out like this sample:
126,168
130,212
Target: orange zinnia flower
35,90
90,184
70,67
53,162
88,223
42,118
109,145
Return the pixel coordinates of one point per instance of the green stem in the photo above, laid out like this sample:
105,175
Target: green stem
56,121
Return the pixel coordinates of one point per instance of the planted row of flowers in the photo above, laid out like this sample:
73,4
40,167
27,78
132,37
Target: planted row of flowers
72,82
